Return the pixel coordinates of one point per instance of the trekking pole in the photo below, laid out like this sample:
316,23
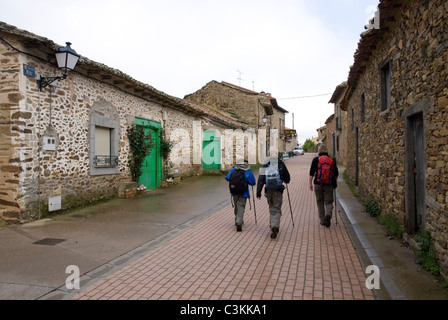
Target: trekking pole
255,210
335,208
290,207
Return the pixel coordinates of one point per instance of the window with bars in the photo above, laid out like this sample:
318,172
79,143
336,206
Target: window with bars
103,156
104,144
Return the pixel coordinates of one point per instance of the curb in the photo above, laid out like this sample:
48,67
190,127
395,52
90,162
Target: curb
366,251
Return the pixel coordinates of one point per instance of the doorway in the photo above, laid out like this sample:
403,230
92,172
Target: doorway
152,166
415,173
211,151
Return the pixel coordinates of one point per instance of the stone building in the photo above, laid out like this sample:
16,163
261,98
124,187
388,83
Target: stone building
290,139
397,114
66,145
322,135
340,126
327,135
246,106
330,129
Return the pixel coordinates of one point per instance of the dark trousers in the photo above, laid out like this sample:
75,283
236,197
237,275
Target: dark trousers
275,200
324,199
240,207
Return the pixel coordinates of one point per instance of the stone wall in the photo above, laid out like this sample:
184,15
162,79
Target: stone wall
330,125
340,121
277,122
291,144
186,136
244,105
30,175
11,123
229,101
416,44
341,133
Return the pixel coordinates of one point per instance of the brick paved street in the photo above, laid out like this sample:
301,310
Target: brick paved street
212,261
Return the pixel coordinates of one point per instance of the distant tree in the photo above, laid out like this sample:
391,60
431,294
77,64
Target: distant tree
308,145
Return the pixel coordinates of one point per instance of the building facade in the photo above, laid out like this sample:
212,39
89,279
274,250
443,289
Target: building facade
290,139
397,117
340,126
66,145
246,106
322,135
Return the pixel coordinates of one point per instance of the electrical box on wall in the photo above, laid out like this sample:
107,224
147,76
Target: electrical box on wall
50,139
54,203
49,143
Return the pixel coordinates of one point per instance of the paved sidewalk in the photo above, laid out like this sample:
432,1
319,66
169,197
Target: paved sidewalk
101,238
212,261
401,277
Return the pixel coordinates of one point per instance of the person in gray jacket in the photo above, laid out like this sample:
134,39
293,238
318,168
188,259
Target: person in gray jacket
272,175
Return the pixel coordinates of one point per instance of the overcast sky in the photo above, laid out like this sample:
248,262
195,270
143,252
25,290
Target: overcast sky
289,48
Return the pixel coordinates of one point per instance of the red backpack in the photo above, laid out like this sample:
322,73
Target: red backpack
325,168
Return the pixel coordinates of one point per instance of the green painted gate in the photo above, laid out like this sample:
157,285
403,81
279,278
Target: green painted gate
152,166
211,151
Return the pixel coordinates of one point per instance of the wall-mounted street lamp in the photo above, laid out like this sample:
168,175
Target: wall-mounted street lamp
265,119
67,58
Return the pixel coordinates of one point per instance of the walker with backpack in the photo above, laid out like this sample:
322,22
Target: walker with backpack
325,175
238,185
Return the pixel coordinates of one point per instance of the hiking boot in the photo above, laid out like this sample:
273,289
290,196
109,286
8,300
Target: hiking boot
274,233
238,228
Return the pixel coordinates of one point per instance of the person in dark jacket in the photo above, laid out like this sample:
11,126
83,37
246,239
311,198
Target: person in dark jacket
323,192
273,189
241,200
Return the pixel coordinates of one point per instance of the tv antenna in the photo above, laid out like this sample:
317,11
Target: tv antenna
239,77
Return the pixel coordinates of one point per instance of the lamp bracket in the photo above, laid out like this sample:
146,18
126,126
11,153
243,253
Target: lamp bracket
46,81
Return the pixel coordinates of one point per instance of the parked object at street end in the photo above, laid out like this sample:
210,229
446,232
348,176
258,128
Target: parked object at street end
298,151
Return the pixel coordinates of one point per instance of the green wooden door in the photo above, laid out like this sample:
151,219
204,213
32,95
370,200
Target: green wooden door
211,152
152,166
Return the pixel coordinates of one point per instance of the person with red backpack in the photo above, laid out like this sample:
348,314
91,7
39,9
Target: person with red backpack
325,173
